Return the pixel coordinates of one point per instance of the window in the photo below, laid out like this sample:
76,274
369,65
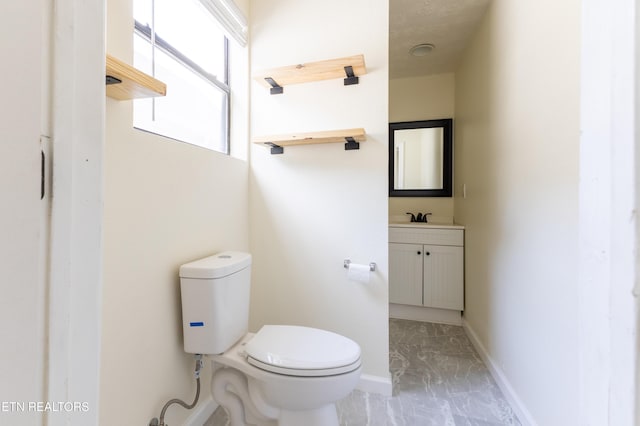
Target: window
182,44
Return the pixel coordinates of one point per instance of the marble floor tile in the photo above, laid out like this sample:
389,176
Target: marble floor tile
438,379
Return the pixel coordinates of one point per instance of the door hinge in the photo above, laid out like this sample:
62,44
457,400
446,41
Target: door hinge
45,167
42,172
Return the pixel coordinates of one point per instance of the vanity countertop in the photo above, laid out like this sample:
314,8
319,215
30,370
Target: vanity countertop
426,225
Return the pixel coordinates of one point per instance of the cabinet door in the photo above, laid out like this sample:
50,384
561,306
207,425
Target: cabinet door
444,277
405,273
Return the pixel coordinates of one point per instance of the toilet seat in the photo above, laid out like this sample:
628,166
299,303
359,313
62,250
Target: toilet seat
302,351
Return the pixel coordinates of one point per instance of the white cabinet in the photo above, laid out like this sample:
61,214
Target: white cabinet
426,266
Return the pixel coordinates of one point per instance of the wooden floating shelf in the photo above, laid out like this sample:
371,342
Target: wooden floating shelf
133,83
349,68
351,138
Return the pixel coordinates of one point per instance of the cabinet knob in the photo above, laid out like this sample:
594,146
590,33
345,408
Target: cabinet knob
427,253
419,252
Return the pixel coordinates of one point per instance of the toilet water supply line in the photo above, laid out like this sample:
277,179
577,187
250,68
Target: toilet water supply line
154,421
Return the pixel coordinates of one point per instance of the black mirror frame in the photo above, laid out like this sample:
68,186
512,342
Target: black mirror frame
447,158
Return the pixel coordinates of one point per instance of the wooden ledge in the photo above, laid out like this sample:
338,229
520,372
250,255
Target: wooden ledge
309,138
134,83
312,71
351,138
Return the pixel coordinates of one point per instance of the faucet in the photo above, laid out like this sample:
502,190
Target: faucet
420,218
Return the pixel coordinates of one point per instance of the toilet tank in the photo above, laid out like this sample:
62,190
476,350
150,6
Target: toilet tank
215,301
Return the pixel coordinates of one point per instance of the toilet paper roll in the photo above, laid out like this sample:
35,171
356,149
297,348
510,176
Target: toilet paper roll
359,272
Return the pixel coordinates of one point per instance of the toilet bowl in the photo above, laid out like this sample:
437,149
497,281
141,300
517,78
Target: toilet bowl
282,375
293,375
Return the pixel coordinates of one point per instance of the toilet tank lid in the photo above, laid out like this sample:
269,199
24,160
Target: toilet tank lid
217,266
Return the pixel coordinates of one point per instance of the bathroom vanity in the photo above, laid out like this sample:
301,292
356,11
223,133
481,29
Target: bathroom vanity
426,272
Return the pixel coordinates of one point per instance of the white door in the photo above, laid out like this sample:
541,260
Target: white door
23,216
405,274
444,277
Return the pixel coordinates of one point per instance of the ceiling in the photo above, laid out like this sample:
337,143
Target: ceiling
447,24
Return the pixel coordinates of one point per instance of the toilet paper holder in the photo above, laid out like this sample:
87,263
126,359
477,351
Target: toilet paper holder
347,262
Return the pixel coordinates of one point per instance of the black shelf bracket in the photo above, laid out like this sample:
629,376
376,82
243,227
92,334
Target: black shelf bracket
276,89
112,80
275,149
351,77
351,144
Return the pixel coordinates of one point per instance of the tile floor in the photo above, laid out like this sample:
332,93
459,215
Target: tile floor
438,379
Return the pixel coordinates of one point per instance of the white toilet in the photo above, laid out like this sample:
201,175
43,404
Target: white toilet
282,375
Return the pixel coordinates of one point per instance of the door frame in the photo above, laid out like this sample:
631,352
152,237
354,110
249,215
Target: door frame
75,275
609,190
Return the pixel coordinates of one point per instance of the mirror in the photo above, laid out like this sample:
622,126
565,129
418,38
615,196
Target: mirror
420,158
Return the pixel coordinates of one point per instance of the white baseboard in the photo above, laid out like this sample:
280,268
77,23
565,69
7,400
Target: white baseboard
376,384
510,394
201,413
424,314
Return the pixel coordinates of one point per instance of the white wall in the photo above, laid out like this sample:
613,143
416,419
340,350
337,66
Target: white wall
422,98
517,135
316,205
166,203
